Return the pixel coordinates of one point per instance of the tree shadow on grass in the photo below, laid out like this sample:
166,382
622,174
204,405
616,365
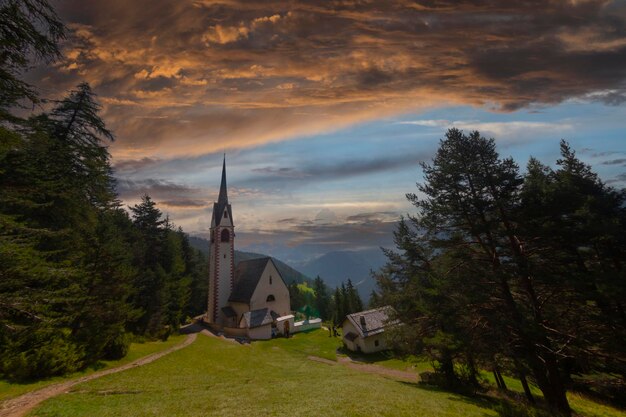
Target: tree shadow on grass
372,358
505,404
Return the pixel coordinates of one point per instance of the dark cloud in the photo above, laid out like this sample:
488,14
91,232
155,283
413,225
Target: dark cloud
134,164
193,76
184,203
336,170
376,217
600,154
621,161
305,239
621,178
281,172
157,189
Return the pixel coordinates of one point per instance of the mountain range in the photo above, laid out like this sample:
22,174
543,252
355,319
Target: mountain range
333,267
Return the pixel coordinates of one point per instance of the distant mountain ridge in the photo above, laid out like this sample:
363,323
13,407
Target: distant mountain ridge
288,273
339,266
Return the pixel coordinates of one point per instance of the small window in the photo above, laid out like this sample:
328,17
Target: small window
270,280
375,342
224,256
225,235
225,214
270,298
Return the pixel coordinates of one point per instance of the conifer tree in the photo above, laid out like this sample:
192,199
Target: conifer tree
29,31
322,298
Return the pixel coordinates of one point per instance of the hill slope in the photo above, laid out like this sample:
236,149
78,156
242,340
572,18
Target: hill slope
217,377
336,267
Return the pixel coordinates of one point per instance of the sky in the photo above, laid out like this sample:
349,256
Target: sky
324,108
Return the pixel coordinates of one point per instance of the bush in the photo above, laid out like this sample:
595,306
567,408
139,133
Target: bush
117,347
39,355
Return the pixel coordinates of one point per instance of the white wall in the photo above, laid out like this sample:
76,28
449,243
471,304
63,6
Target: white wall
302,326
261,333
367,345
281,305
280,326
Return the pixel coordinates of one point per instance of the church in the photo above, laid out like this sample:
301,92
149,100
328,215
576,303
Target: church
249,299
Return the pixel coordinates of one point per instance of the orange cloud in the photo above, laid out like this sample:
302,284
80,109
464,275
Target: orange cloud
190,77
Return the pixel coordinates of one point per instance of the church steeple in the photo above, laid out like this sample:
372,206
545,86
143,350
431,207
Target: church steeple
222,208
221,255
223,198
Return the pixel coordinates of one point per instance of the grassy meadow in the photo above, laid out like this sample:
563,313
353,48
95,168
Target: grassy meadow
136,351
213,377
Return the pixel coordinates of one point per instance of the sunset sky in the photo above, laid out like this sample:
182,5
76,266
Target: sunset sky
324,108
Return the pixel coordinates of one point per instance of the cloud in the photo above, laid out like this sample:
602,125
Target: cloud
280,172
242,73
302,238
185,203
134,164
621,161
338,169
619,179
376,217
158,189
503,131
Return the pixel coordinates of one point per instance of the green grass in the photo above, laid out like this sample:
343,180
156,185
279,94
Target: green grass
580,404
409,363
215,377
312,343
136,351
273,378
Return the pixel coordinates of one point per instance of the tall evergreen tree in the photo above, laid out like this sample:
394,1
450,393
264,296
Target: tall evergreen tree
29,31
497,251
322,298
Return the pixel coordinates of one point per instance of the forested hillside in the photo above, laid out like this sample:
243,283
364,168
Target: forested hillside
79,273
516,272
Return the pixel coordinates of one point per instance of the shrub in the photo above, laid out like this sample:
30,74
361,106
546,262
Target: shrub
117,347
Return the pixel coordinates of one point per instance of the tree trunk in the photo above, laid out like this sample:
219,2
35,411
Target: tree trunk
522,377
472,370
498,375
495,376
447,368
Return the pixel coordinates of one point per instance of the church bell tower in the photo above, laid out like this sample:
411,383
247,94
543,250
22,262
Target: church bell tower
222,254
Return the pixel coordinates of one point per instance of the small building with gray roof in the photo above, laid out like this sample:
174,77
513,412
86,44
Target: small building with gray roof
364,331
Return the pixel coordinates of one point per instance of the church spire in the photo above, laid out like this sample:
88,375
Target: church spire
223,198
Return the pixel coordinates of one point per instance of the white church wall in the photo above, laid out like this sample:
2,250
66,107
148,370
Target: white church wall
302,326
261,332
277,288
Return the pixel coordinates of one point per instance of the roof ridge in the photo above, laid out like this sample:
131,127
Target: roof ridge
265,258
369,311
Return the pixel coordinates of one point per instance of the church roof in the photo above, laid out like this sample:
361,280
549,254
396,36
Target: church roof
222,200
247,276
229,312
372,322
260,317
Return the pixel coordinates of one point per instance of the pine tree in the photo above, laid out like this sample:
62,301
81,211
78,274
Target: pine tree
322,298
471,248
30,31
149,288
354,300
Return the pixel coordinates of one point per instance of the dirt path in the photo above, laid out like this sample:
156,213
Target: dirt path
372,369
20,406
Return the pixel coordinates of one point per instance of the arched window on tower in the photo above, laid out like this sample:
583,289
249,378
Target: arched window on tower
225,235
